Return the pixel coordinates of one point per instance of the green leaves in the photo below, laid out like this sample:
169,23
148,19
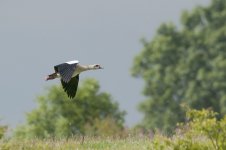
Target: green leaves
201,131
3,130
186,65
204,122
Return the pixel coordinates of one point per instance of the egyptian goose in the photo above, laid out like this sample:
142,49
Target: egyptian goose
69,72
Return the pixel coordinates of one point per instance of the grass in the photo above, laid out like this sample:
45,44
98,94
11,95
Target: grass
158,142
92,143
202,132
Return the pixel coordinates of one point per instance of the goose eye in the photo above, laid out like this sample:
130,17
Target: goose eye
96,65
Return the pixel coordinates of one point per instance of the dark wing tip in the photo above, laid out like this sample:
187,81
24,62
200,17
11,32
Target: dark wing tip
71,87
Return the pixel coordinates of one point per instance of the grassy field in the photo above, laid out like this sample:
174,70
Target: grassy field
129,143
202,132
158,142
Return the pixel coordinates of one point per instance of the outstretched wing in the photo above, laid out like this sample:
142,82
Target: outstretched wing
65,70
71,87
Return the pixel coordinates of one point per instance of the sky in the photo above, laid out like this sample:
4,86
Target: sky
36,35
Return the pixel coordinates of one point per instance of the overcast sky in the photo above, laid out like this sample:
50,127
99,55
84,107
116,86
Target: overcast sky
36,35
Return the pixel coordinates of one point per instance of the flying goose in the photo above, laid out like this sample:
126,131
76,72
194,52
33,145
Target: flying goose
68,73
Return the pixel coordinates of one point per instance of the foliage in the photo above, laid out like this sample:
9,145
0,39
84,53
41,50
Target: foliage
3,130
184,65
202,131
205,123
88,113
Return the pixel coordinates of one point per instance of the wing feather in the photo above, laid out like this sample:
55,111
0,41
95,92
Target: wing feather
71,87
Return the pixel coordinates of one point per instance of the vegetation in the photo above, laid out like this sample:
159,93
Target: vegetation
180,66
3,129
184,65
202,131
107,143
91,113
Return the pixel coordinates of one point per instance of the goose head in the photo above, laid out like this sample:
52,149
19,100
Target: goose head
95,67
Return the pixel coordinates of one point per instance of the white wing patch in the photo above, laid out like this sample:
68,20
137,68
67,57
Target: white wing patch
73,62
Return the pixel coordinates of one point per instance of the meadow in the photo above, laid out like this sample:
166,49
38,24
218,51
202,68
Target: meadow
106,143
202,132
159,142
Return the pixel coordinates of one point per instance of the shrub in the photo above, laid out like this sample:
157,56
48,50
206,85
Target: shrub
3,130
201,131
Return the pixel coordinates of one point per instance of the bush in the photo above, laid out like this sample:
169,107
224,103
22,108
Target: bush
201,131
3,130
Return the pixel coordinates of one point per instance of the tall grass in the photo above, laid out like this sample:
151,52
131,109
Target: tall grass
106,143
202,131
157,142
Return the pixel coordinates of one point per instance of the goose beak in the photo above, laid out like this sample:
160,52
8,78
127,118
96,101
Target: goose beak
101,67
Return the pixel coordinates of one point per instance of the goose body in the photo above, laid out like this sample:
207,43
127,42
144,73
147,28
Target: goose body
68,73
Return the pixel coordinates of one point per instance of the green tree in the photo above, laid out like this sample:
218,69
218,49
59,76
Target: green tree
58,116
184,65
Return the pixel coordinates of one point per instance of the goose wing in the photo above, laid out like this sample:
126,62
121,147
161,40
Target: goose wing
71,87
65,70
